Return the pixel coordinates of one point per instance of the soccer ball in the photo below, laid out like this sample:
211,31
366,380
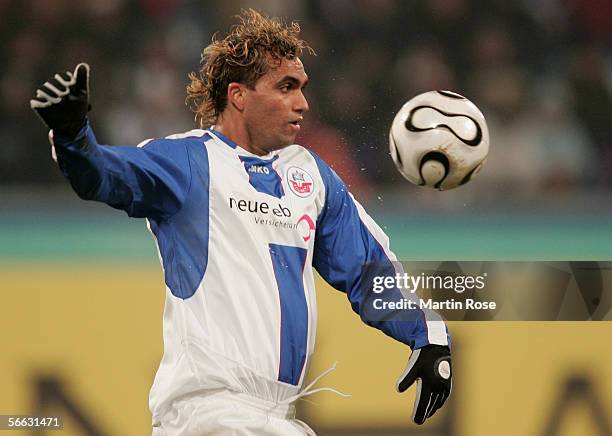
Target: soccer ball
439,139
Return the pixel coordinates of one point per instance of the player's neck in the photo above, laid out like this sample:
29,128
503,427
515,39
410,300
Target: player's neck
238,133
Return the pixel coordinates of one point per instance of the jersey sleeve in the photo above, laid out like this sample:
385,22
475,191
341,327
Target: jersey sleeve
151,181
350,248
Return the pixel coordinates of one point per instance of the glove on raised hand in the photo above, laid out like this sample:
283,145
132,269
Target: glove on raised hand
63,102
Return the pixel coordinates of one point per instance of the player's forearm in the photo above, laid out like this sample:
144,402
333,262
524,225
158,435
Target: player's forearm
407,332
98,172
81,162
408,326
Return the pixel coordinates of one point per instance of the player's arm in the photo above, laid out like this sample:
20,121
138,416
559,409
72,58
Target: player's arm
150,181
350,249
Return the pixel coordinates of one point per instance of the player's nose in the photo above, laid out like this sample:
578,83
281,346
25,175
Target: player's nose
301,103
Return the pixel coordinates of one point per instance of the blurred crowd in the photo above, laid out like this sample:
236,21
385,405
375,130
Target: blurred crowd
541,72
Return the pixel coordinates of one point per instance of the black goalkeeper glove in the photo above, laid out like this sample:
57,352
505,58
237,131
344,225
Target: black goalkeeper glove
430,366
63,102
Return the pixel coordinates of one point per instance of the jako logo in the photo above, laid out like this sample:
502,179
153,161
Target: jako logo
300,182
306,226
260,207
259,169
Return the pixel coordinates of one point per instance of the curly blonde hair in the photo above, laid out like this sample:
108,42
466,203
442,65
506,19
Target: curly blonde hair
243,56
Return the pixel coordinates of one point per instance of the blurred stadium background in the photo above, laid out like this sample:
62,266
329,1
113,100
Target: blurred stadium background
82,290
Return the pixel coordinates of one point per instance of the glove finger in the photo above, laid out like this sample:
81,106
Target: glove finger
49,92
64,79
53,86
409,375
47,96
81,72
435,405
39,104
422,401
445,396
441,400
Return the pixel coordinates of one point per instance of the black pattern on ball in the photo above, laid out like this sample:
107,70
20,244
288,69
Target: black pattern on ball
438,157
471,142
450,94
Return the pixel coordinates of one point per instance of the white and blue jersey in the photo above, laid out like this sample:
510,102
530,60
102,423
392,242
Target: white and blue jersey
238,235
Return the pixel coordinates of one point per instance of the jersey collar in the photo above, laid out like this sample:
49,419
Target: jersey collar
224,139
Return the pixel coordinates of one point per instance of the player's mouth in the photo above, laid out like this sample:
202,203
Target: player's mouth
295,125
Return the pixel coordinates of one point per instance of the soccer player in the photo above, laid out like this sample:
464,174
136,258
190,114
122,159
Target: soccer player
241,215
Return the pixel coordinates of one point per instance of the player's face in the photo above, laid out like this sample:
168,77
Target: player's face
274,110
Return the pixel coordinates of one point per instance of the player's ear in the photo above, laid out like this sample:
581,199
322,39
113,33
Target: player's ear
236,94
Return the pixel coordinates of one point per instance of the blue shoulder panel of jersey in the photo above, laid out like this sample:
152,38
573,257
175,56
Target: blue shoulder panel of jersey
183,238
153,181
345,247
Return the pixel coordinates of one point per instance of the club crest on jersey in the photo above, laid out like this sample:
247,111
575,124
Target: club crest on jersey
300,182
